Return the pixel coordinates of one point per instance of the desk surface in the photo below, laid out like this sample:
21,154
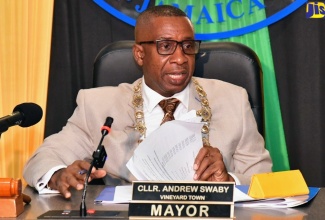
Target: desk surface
42,203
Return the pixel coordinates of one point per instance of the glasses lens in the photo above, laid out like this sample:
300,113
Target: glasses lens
166,47
191,46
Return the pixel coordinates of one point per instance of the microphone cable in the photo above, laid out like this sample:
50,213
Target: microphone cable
99,158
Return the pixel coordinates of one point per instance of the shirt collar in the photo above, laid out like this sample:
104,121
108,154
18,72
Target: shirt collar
151,98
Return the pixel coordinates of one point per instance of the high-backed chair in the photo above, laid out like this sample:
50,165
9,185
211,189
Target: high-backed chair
227,61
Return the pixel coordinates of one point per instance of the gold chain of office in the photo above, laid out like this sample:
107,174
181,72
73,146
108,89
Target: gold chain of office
204,112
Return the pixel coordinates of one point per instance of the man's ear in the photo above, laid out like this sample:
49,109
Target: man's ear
138,54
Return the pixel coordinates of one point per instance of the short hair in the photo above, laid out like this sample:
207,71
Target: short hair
158,11
161,11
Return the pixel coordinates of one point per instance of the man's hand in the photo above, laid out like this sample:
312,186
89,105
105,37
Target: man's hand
209,165
68,177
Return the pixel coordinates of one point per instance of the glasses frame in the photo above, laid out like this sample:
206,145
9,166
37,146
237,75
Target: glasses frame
177,43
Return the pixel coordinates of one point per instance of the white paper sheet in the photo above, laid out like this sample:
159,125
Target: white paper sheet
168,153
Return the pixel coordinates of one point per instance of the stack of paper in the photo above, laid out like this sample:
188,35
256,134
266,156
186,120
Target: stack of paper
168,153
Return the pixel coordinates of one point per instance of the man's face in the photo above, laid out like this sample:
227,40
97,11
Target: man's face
166,74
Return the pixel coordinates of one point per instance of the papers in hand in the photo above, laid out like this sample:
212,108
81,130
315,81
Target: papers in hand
168,153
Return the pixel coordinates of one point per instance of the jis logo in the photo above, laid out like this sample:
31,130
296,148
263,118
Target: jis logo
212,19
315,10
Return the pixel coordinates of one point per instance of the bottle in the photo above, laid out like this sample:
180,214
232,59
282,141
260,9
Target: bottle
10,187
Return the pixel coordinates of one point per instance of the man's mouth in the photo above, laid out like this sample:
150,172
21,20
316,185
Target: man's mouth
176,76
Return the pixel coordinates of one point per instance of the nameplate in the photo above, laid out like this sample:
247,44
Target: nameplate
183,210
190,199
183,191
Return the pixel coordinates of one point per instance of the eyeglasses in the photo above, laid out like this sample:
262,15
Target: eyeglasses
168,47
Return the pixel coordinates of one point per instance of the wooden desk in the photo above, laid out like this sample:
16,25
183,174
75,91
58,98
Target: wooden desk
42,203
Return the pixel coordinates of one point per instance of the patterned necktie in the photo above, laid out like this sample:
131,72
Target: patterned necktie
168,106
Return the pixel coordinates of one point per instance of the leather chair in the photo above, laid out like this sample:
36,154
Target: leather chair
227,61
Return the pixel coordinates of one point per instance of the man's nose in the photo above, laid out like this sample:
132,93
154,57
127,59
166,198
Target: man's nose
179,56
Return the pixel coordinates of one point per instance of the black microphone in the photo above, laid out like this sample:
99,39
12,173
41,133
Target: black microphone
107,126
24,115
99,158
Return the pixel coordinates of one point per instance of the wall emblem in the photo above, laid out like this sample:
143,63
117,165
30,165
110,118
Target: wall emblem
212,19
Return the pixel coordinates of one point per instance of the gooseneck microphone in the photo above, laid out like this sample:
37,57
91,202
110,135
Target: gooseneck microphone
24,115
99,157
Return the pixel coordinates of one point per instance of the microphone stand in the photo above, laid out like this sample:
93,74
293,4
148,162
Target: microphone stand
99,157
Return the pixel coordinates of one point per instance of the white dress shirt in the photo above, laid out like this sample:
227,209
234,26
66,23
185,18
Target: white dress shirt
153,113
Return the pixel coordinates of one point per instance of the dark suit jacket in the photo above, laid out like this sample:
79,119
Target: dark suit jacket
233,130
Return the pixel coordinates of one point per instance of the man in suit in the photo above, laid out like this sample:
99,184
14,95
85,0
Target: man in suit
165,49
